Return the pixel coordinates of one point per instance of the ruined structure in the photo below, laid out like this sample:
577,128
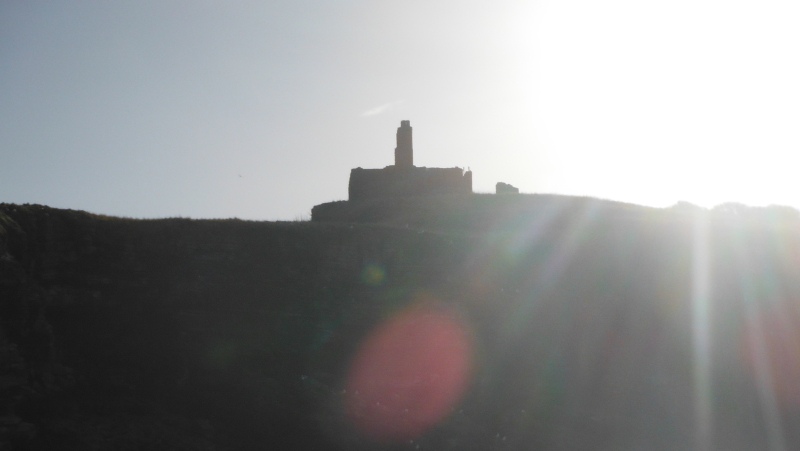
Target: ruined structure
505,188
403,179
404,152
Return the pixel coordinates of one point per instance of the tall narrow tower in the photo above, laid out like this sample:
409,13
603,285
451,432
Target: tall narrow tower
404,152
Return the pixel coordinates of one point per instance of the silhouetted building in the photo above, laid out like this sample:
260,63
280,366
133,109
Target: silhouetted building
403,179
505,188
404,152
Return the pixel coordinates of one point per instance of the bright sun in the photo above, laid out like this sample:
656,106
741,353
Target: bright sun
655,102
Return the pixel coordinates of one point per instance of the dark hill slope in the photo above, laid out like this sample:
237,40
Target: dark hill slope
476,212
189,334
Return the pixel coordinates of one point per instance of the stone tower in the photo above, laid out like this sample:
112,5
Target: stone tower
404,152
403,179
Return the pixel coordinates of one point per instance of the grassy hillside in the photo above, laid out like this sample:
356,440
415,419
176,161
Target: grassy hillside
590,324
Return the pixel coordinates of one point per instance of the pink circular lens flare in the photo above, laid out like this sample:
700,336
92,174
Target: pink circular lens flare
407,374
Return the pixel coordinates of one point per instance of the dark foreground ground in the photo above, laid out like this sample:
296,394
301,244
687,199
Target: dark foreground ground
581,325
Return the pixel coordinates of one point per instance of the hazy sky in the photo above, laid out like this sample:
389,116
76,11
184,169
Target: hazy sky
260,109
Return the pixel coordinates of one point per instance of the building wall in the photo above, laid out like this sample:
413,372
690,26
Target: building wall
393,181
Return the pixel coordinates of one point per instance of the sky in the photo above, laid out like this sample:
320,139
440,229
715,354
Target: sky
258,110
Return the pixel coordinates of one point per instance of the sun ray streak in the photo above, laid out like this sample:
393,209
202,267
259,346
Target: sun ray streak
701,333
556,263
760,352
573,238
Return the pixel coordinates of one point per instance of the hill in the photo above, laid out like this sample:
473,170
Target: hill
584,324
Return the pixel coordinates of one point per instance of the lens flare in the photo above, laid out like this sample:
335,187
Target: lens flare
373,275
408,373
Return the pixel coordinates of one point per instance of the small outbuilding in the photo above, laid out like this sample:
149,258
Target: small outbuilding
505,188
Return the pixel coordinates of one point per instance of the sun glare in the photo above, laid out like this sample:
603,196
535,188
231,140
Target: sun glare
655,102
